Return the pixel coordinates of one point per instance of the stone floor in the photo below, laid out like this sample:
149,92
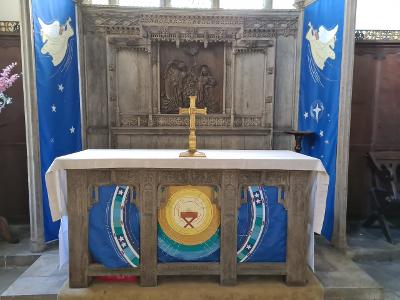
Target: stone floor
370,243
27,275
341,277
9,275
380,259
42,280
15,258
199,288
387,274
18,254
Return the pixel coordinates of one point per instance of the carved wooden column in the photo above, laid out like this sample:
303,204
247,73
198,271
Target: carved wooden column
229,200
113,109
78,205
148,228
300,186
339,239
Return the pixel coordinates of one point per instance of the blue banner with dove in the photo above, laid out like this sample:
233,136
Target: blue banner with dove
57,84
320,89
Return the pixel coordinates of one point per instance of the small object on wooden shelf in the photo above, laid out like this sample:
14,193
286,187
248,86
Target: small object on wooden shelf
192,111
298,136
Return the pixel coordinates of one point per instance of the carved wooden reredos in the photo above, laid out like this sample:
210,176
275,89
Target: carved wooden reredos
138,66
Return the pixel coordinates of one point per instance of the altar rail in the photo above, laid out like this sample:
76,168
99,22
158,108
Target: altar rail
296,184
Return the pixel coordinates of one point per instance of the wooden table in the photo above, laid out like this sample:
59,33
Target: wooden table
150,171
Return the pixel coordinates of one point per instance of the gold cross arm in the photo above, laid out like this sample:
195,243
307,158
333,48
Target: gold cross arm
192,111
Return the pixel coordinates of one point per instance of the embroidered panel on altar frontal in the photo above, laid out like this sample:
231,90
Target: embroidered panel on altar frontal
189,225
114,227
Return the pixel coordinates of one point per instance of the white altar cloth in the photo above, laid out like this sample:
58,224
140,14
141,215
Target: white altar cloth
157,158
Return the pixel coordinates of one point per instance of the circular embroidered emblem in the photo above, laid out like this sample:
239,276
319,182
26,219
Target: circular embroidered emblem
189,217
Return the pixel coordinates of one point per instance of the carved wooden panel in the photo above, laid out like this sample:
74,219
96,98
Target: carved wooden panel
191,70
133,80
374,115
138,66
249,72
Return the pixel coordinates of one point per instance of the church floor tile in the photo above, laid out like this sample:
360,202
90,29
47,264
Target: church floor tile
42,280
9,275
366,244
387,274
198,288
19,254
341,277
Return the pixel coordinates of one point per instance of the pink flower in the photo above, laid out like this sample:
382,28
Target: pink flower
6,81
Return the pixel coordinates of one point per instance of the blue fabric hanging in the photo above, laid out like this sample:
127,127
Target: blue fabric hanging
57,84
321,63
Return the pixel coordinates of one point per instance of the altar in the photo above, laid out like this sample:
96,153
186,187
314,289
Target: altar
150,213
191,204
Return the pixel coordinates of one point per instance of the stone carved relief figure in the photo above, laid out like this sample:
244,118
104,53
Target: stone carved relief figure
190,88
205,81
180,84
174,78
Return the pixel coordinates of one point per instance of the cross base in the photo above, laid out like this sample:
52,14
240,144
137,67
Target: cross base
192,154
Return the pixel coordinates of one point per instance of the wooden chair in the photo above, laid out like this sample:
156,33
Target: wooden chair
385,190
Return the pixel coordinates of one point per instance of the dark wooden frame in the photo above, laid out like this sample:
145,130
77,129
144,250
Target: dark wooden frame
297,185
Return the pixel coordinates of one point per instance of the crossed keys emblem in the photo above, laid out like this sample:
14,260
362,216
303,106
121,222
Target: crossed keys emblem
189,217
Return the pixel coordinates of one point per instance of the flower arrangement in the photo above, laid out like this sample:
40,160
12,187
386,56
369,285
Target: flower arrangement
6,81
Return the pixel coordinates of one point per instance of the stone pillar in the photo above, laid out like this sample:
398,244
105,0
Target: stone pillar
32,130
342,162
215,3
268,4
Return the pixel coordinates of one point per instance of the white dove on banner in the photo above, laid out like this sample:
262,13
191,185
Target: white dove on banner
55,39
322,43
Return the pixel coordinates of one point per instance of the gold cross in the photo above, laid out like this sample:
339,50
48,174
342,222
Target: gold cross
192,111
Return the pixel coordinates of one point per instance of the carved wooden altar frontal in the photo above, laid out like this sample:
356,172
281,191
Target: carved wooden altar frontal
149,185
